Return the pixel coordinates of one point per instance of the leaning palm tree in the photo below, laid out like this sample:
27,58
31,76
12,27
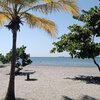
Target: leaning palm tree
14,12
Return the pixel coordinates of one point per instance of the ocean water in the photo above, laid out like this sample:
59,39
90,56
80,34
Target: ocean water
64,61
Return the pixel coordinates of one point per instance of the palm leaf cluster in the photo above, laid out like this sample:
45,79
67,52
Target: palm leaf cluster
14,11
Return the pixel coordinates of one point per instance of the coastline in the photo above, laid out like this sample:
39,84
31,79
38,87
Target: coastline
48,65
54,83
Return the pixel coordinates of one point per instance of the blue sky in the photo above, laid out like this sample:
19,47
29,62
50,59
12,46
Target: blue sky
38,42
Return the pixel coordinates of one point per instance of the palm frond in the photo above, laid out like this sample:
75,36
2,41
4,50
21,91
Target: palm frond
15,1
22,2
3,18
48,7
47,1
51,5
4,6
28,3
45,24
70,6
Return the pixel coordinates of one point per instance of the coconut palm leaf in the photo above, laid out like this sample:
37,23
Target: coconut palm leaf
42,23
47,1
49,6
3,18
4,6
14,1
22,2
69,6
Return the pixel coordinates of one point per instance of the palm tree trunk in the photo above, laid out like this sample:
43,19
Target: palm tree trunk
11,87
96,64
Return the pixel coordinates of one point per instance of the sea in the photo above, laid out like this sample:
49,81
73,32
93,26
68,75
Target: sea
64,61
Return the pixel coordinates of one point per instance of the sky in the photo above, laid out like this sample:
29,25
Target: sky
37,41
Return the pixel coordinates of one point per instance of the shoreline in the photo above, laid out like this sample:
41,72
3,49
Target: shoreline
59,65
48,65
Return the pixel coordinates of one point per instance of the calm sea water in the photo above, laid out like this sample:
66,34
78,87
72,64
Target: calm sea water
64,61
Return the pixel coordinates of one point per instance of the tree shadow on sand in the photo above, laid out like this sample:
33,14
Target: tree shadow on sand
20,99
2,66
17,99
24,73
87,79
67,98
32,79
85,97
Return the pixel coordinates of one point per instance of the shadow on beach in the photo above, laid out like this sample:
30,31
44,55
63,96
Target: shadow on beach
32,79
67,98
20,99
2,66
87,79
85,97
16,99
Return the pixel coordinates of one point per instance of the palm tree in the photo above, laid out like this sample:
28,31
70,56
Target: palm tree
16,11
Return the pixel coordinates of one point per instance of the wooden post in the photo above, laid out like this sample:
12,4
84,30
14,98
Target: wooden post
28,76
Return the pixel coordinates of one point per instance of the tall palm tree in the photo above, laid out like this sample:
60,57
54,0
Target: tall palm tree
16,11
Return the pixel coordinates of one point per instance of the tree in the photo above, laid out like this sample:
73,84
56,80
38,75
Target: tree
80,42
22,59
15,11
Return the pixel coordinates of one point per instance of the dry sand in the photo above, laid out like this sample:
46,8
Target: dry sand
54,83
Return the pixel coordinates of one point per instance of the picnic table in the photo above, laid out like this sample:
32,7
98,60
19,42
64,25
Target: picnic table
28,75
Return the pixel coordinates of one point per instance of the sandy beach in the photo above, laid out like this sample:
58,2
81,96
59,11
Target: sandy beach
54,83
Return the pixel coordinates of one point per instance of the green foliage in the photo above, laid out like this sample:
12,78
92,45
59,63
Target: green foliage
23,59
5,59
91,19
80,42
